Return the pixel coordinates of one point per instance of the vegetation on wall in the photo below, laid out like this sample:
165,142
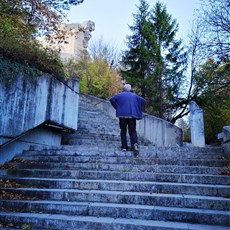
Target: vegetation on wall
21,23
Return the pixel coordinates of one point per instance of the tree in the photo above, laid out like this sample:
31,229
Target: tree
97,75
99,49
210,71
21,21
184,125
136,60
40,16
214,18
155,60
212,84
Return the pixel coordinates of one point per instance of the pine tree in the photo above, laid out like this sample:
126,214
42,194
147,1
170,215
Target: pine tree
154,61
137,59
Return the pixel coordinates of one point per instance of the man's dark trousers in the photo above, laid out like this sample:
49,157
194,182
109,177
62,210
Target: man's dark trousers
129,123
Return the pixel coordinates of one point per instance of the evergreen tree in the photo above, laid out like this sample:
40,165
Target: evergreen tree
136,60
154,61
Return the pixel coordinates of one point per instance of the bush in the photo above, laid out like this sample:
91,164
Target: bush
18,45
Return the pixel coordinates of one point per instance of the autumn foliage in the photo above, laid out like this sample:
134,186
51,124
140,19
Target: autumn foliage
21,23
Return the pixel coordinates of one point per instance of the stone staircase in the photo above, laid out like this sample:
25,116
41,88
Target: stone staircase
88,183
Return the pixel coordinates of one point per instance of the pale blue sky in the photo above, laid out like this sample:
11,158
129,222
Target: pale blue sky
112,17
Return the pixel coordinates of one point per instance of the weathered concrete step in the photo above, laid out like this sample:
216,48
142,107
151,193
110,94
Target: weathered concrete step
89,150
82,133
122,167
122,185
146,151
114,210
98,122
97,143
60,222
187,150
114,150
100,128
126,160
122,175
97,118
93,140
140,198
94,115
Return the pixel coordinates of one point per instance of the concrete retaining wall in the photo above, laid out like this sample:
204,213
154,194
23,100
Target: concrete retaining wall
42,103
157,131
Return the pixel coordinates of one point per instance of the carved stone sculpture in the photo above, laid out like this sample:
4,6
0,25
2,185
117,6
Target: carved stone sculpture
77,39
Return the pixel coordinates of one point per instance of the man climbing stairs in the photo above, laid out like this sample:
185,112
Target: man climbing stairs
88,183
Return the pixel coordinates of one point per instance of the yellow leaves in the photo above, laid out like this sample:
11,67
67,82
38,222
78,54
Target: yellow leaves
14,196
97,78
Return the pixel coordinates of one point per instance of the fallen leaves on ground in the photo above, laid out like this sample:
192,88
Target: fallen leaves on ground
7,166
14,196
11,184
226,173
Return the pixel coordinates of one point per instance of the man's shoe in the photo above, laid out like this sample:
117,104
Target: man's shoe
136,150
124,149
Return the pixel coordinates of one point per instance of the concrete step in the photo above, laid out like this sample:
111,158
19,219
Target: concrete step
90,184
126,197
85,134
145,150
97,137
94,139
105,148
123,185
89,150
122,167
125,160
122,175
97,143
60,222
114,210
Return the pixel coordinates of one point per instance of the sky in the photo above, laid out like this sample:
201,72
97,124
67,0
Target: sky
112,17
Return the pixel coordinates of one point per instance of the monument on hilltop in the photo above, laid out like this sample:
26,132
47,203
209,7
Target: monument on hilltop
77,36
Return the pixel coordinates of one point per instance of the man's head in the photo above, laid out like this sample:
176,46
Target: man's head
127,87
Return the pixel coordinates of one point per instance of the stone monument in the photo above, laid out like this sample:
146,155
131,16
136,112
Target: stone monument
196,125
77,38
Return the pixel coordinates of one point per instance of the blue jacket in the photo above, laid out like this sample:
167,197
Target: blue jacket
128,105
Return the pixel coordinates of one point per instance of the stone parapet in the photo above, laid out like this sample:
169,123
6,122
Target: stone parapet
26,105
